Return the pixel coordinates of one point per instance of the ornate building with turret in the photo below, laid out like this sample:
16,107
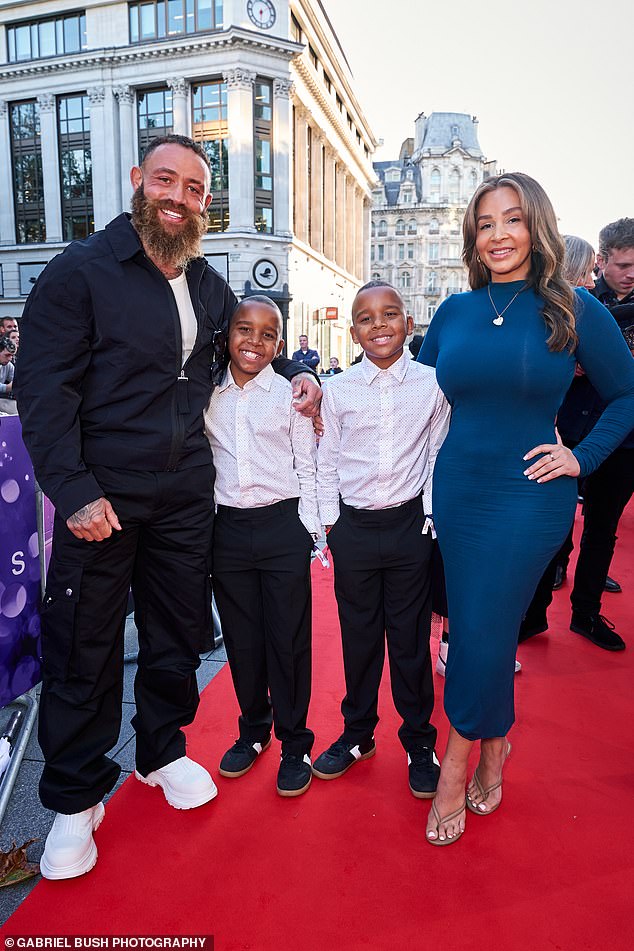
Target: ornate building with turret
417,209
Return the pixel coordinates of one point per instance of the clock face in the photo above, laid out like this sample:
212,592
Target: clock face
262,13
265,273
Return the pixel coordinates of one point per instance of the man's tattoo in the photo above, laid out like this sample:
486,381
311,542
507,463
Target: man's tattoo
86,514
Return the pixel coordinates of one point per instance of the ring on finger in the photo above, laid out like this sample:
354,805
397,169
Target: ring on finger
552,456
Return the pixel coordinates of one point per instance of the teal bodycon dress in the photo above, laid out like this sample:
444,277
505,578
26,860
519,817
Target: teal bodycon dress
496,529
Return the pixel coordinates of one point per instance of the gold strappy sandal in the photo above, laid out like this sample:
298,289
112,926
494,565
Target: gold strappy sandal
440,820
472,806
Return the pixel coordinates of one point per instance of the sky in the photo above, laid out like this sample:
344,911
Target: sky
550,81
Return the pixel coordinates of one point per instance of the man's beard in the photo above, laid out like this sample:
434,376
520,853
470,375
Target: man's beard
175,248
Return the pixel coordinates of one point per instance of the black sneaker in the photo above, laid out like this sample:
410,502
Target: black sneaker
598,630
294,775
339,757
424,771
240,758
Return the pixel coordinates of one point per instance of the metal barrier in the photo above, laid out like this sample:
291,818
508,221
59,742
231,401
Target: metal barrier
29,701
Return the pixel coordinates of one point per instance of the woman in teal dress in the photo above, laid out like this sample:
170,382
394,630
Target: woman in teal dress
504,487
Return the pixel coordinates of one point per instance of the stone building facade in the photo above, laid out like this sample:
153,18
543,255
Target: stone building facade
263,86
417,209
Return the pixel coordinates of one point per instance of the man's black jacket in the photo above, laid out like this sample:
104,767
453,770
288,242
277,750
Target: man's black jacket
100,361
582,405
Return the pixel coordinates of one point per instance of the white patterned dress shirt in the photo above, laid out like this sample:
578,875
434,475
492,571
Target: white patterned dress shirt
382,432
263,450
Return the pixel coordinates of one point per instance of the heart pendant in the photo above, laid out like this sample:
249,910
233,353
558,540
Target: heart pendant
498,321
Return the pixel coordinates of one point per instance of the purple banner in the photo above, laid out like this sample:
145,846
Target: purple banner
19,566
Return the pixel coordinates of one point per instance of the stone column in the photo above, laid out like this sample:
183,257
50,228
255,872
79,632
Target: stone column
241,164
282,156
50,167
341,210
128,152
7,215
180,105
316,186
329,202
301,172
359,232
106,163
367,219
351,225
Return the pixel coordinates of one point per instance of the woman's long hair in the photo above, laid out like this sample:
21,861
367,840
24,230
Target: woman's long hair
579,258
547,259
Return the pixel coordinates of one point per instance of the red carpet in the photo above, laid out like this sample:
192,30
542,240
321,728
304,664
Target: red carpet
347,866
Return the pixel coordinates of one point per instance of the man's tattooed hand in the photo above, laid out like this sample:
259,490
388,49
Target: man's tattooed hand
94,522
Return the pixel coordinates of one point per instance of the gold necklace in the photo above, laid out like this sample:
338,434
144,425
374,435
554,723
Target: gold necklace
498,320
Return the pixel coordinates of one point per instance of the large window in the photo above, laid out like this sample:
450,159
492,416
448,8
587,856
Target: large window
434,185
28,186
154,116
210,129
263,154
35,39
28,275
157,19
73,125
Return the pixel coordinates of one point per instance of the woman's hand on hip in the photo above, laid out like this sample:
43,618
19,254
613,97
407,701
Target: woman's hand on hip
556,460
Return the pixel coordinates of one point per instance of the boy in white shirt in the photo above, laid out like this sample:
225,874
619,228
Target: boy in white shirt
384,421
265,528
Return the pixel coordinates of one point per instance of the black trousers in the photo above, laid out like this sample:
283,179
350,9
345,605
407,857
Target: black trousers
606,493
383,588
261,581
163,552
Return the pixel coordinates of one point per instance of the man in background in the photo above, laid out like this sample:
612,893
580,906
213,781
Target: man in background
607,490
7,352
306,356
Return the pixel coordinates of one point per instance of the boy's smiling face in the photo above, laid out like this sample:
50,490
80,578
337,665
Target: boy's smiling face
380,325
255,339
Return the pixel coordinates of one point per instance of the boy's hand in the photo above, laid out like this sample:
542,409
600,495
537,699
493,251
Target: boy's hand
307,394
318,425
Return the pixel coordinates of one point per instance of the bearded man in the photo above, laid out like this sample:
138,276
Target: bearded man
122,340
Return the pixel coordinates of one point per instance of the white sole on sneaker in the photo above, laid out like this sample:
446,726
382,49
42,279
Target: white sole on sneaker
177,800
86,864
